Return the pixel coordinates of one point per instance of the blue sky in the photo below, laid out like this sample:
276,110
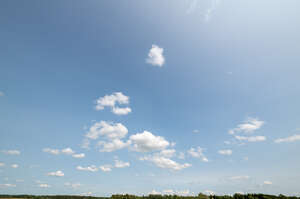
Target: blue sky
175,96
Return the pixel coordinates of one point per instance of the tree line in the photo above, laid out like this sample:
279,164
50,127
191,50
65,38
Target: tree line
127,196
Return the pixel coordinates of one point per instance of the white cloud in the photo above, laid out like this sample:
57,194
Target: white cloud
239,178
19,180
106,168
267,182
7,185
249,126
197,153
91,168
44,185
196,131
165,163
72,185
67,151
111,101
2,164
147,142
14,166
251,138
108,129
121,164
56,173
51,151
121,111
79,155
155,56
225,152
113,145
1,94
292,138
168,153
11,152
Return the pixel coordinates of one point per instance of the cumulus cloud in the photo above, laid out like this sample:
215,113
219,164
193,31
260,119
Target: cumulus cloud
113,145
56,173
165,163
239,177
147,142
249,126
250,138
121,164
51,151
197,153
109,130
79,155
91,168
44,185
106,168
11,152
111,101
14,166
155,56
292,138
225,152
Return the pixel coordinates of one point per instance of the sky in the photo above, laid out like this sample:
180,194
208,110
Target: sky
170,97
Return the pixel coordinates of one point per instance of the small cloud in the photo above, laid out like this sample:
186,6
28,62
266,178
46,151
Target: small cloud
120,164
111,101
2,164
51,151
91,168
225,152
249,126
155,56
196,131
181,155
11,152
14,166
56,173
267,182
292,138
79,155
106,168
147,142
197,153
19,180
153,192
67,151
250,138
44,186
7,185
72,185
1,94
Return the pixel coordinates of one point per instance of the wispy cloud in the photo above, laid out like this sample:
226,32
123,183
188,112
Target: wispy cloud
292,138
